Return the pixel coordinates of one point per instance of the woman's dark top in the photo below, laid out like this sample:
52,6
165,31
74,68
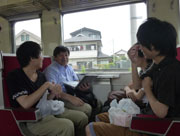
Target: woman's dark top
19,84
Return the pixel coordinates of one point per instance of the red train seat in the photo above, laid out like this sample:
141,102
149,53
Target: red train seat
178,54
14,116
7,119
153,125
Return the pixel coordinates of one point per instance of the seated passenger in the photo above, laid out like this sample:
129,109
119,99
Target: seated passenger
134,90
59,72
27,85
161,83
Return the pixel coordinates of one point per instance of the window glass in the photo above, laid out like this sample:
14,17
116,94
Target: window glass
22,38
100,39
27,37
27,30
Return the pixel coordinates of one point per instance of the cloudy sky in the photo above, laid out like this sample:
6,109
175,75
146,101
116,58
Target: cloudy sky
113,23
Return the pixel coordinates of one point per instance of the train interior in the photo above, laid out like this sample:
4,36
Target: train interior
51,13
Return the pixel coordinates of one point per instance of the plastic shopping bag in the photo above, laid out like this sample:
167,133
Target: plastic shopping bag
50,107
121,113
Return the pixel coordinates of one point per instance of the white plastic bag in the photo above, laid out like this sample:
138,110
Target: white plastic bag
50,107
121,113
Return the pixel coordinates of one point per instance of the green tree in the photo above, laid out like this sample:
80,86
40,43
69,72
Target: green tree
83,69
123,58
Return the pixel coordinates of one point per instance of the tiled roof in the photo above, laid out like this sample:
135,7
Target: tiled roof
27,32
85,29
102,55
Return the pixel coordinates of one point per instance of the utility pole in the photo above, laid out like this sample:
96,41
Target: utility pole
133,21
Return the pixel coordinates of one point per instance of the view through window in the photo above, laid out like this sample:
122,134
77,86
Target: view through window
100,39
25,31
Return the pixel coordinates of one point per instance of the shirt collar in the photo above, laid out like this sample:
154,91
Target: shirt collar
59,65
164,62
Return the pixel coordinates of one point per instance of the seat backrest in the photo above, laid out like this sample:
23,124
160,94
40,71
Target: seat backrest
10,63
46,62
178,54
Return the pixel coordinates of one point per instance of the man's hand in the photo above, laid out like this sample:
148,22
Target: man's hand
55,90
76,101
84,87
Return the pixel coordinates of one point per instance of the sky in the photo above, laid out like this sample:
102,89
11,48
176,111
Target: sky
113,23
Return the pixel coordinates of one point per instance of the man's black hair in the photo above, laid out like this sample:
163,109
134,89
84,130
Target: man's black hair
161,34
60,49
26,51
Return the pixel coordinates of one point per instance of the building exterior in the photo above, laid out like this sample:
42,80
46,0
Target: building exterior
121,53
121,60
85,49
25,35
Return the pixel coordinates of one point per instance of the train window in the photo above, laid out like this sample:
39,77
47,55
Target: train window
27,31
100,39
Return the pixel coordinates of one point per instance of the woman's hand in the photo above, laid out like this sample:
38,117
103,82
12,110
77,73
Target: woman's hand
133,53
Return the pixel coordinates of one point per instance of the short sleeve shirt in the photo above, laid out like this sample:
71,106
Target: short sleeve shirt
19,84
166,84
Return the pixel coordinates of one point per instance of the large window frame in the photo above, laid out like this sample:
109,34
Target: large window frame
71,6
25,36
102,6
14,19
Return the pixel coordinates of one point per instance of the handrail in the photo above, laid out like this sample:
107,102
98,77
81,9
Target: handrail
1,60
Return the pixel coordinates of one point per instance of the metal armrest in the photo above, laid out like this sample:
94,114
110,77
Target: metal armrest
11,118
173,129
150,124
